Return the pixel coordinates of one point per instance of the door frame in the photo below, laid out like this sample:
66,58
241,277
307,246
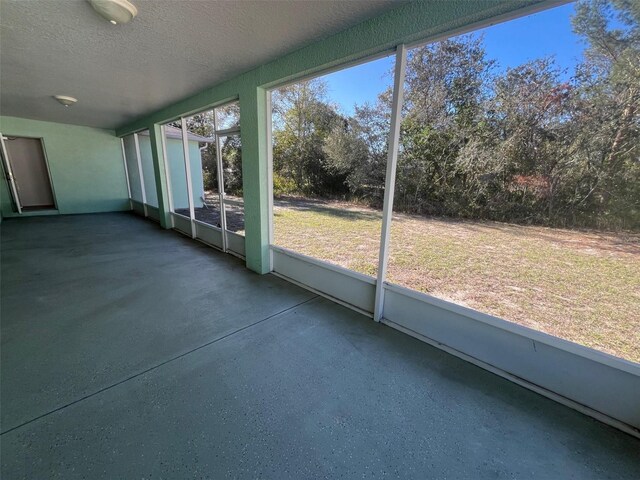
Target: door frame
5,153
8,175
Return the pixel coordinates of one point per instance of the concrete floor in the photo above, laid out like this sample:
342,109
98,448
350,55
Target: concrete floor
133,352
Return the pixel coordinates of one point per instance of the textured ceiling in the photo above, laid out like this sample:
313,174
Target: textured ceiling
173,49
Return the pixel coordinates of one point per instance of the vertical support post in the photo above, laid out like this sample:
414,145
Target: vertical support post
140,174
160,169
269,125
390,179
219,168
187,166
167,170
253,133
126,172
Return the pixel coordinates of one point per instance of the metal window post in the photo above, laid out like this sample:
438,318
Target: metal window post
223,210
390,179
269,124
187,166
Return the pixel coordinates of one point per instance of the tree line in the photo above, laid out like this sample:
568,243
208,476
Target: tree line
530,144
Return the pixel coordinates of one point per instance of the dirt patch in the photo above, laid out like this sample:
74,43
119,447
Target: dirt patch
583,286
211,216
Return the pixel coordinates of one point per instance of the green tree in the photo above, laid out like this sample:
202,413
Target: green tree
303,119
608,109
530,144
446,84
357,149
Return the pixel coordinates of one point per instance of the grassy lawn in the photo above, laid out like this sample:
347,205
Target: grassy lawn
581,286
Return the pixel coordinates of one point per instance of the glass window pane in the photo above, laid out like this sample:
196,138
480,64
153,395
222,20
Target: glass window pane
228,116
176,168
514,195
131,158
147,168
231,149
204,168
329,158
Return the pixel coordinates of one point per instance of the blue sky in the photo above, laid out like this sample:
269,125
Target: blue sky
511,43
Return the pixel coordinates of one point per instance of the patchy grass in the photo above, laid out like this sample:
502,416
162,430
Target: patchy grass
580,286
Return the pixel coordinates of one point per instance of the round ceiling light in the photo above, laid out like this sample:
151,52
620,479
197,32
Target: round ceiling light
65,100
116,11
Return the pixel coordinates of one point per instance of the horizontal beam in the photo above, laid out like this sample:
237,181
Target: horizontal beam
410,23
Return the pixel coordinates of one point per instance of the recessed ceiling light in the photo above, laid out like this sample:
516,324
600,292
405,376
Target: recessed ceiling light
65,100
116,11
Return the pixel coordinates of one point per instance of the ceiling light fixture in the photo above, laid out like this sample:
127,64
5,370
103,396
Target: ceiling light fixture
65,100
116,11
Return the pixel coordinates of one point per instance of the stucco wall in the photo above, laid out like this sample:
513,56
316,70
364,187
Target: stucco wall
85,163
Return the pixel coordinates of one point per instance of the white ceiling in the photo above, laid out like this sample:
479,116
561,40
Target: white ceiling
172,49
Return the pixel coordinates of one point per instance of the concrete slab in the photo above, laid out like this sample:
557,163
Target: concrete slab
318,392
89,300
145,383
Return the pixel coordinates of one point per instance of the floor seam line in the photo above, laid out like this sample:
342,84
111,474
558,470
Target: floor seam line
161,364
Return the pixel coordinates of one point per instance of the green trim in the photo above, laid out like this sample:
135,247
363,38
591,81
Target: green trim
253,118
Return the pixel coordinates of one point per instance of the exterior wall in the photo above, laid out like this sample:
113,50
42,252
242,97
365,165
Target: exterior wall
86,166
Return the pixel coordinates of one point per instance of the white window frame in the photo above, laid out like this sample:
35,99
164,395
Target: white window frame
590,381
196,227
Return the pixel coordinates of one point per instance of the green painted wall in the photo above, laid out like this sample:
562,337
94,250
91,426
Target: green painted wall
409,23
85,163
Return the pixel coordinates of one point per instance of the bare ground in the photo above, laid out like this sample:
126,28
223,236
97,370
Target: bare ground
210,212
582,286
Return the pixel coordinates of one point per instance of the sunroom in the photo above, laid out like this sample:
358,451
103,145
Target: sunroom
320,239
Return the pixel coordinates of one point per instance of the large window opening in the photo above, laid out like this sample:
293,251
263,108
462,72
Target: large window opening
204,157
517,191
517,188
131,162
329,138
231,156
176,167
146,161
215,155
204,172
140,173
